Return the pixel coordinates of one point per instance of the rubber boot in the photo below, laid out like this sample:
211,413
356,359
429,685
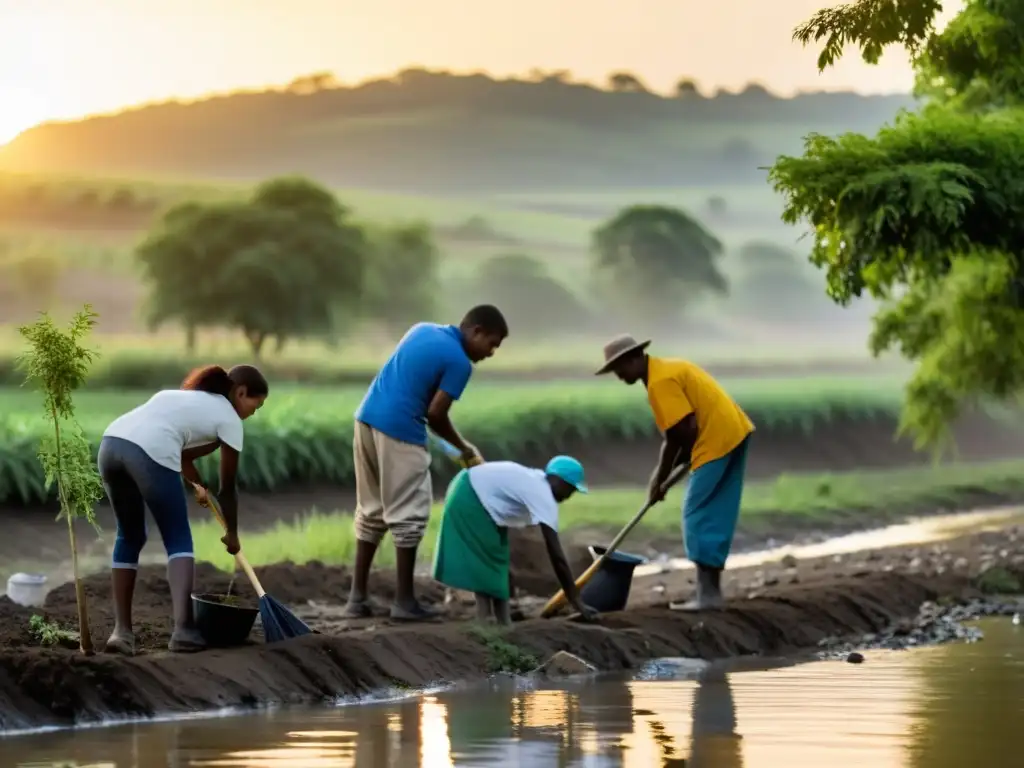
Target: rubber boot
186,638
122,586
709,591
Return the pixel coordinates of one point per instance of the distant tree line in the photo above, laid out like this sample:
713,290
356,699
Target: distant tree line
77,203
291,261
457,131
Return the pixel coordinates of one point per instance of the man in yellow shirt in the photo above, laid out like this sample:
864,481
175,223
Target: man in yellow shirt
704,427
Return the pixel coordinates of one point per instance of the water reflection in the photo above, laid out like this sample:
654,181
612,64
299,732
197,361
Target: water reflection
971,689
946,707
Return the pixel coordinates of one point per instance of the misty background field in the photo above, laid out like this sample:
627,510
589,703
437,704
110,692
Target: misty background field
512,177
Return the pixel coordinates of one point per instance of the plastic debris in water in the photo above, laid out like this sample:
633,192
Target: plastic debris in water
1016,618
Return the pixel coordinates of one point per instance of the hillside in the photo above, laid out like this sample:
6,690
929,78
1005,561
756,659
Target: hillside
433,131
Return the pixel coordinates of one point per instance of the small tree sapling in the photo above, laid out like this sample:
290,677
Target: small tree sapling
57,364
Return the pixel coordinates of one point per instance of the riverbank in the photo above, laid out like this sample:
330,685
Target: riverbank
776,608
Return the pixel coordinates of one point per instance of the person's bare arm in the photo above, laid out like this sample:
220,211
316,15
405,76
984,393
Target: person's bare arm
188,457
675,450
441,425
228,495
562,570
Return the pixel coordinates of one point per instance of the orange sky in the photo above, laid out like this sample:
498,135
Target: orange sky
66,58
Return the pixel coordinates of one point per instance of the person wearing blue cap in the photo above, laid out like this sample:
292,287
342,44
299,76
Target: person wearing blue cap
482,503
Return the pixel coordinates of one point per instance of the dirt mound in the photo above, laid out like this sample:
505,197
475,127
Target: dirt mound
14,627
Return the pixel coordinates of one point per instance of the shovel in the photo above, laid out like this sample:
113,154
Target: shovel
278,622
559,600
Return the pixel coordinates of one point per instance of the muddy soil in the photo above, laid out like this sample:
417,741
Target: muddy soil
291,584
775,608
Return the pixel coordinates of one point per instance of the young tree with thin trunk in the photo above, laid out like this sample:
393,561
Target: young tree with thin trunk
57,364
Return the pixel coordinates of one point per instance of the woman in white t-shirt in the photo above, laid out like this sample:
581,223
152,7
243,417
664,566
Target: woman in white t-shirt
142,458
482,503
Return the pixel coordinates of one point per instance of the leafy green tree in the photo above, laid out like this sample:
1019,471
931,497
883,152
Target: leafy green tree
57,363
625,82
686,88
534,302
402,281
872,26
925,215
656,258
275,265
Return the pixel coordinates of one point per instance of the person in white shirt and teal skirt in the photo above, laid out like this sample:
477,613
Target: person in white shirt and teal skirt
481,504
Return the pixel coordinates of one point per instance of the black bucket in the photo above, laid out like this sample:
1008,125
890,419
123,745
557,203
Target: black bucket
608,589
222,624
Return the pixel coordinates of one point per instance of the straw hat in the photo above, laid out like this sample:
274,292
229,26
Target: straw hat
618,348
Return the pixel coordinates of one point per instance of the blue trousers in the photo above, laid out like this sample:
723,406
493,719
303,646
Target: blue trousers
711,507
133,481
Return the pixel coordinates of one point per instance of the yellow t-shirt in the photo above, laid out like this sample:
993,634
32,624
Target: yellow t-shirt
677,388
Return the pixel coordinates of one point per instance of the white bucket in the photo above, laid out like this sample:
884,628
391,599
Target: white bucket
27,589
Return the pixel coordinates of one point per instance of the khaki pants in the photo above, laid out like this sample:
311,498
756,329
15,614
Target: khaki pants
393,489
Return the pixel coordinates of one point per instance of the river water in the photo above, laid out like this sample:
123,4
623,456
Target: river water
942,707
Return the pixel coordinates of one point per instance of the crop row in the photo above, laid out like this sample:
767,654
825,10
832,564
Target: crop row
149,364
304,435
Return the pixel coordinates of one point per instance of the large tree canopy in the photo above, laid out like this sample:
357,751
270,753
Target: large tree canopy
534,301
657,258
402,281
275,265
926,215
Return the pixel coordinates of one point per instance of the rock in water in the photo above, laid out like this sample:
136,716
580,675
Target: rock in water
680,668
565,664
855,658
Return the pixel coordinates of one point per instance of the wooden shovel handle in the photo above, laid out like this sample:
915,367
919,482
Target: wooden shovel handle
558,601
243,563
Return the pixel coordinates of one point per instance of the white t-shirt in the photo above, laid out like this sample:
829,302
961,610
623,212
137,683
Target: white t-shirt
515,496
175,419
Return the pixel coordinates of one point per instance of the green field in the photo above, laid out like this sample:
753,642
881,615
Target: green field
870,497
304,435
139,362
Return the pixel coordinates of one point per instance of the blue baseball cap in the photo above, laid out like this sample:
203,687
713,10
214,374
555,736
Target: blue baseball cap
569,470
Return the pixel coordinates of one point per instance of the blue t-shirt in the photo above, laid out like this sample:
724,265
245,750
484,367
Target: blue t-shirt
428,358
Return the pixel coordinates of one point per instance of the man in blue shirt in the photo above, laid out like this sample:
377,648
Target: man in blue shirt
427,372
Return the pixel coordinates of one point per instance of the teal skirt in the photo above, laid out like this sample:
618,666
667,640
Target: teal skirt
472,552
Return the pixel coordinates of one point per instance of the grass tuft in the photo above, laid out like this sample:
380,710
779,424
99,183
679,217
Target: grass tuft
503,656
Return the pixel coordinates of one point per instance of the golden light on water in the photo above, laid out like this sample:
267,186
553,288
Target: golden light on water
311,749
435,746
545,709
661,723
898,710
790,716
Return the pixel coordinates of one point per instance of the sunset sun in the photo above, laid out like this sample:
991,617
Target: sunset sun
21,110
